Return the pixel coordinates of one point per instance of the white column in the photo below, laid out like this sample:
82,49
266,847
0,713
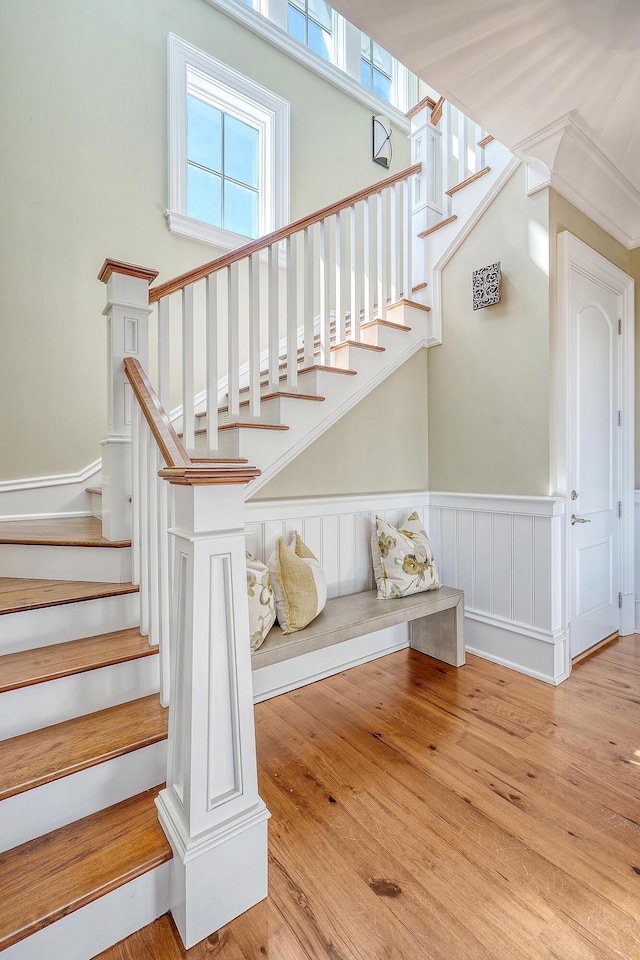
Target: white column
210,809
127,312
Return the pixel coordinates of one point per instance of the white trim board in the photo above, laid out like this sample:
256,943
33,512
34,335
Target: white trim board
63,495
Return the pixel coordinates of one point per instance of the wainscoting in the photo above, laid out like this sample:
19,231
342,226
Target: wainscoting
504,552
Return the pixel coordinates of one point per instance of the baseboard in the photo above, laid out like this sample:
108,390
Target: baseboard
290,674
63,495
542,656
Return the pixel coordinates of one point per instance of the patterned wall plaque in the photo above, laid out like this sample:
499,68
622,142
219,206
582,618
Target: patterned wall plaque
487,286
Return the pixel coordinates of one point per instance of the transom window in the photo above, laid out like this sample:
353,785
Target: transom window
311,22
223,168
376,68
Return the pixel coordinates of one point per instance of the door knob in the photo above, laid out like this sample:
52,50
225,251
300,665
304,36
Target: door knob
575,519
574,494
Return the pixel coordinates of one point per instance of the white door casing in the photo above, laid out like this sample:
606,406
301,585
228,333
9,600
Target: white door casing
594,440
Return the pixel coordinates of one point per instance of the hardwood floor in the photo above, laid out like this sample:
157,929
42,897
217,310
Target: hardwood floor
426,813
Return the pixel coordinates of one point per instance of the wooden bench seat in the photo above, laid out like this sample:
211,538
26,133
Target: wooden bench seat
436,626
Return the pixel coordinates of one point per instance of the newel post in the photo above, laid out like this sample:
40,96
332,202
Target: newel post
210,809
127,312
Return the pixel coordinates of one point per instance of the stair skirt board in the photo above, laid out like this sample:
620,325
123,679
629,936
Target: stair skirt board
102,923
46,561
68,621
296,672
33,813
53,701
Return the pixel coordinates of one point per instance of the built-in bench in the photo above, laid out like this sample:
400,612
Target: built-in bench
436,628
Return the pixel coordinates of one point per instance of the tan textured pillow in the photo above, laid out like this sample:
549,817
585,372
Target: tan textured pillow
402,559
262,602
298,582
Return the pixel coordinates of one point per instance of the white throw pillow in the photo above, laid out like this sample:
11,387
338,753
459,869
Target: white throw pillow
262,603
402,559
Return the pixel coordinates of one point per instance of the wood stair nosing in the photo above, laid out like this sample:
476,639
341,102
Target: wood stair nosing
50,877
21,594
469,180
437,226
58,532
359,344
39,665
41,756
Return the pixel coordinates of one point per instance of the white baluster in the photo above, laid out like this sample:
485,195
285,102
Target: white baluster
164,353
394,238
188,388
152,534
382,251
309,333
254,335
233,343
325,293
447,150
292,312
340,269
136,428
368,248
407,243
462,147
274,319
143,508
354,285
164,590
212,363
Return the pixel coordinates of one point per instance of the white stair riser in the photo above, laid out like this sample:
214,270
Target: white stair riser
275,410
35,812
67,621
88,931
46,562
43,704
381,336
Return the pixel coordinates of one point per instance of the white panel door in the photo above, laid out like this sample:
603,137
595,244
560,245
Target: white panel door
594,462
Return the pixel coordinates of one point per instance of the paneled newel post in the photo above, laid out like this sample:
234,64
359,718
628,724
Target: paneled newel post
127,312
210,809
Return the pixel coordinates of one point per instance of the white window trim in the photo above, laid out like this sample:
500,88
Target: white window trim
190,66
268,26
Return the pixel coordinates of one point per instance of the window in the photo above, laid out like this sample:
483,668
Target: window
229,151
311,22
376,68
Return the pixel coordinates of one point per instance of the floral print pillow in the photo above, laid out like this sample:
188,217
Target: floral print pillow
262,603
402,559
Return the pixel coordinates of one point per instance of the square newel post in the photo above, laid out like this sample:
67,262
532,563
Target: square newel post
127,312
210,809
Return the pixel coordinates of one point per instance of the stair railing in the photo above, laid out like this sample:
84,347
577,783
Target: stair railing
195,606
344,263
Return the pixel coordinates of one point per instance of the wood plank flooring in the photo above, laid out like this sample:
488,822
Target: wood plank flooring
421,812
60,531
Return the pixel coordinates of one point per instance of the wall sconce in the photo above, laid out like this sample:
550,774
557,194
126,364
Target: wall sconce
487,286
382,149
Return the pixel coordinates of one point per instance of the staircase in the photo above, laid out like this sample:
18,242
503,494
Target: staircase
297,328
83,860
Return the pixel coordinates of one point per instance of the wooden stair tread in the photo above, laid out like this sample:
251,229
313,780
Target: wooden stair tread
28,667
61,531
44,755
271,396
252,426
17,594
437,226
47,878
469,180
358,343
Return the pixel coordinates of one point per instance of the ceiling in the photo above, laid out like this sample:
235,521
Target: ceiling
557,81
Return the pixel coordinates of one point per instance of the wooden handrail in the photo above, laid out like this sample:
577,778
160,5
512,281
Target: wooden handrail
254,246
168,441
180,468
425,102
436,113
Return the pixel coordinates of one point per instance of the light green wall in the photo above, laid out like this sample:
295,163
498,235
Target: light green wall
489,380
380,446
84,172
